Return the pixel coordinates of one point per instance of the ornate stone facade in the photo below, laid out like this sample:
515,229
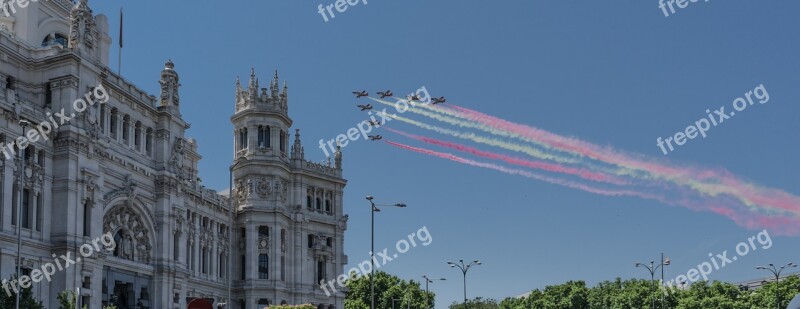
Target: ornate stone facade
115,169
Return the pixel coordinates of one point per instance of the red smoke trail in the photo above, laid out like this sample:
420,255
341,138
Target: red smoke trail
582,173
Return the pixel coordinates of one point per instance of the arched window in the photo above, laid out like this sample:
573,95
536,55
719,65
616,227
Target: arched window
263,231
319,204
51,39
283,141
263,137
113,123
310,241
148,141
126,123
327,205
263,266
263,301
309,204
137,136
242,138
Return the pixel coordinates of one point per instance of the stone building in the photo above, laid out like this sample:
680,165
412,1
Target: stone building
126,168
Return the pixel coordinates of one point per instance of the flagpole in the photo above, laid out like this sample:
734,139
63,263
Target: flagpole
119,64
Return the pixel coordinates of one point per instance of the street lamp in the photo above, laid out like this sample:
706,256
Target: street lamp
464,269
372,246
394,300
230,226
429,280
652,268
777,272
20,181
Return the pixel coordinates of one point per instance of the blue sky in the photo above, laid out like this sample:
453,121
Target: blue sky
616,74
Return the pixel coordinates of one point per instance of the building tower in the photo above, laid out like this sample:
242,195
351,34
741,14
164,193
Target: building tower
289,214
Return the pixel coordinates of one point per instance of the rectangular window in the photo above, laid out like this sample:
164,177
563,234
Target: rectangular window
242,267
321,277
14,205
283,141
26,210
176,246
263,266
87,218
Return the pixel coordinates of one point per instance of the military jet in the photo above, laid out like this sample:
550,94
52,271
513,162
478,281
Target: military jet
361,94
387,93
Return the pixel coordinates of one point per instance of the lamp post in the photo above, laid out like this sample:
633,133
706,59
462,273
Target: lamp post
394,300
373,210
464,269
429,280
20,181
777,272
230,228
652,268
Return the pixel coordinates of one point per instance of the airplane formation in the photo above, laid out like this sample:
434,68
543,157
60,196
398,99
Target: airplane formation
384,94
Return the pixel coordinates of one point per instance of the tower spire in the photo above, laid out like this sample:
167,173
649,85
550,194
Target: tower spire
238,89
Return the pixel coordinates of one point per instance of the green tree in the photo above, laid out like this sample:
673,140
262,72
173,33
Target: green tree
477,303
387,287
68,300
765,296
26,300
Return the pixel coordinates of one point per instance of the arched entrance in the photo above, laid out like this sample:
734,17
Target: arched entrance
200,303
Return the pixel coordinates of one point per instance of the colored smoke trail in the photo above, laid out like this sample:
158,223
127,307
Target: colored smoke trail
484,140
498,132
582,173
527,174
721,206
710,182
744,202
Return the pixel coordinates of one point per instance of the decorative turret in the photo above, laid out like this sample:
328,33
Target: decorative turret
298,153
169,88
269,99
82,30
275,82
238,90
252,87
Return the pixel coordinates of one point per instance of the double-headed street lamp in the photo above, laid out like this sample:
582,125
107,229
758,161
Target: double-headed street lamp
464,269
372,246
652,268
777,272
429,280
